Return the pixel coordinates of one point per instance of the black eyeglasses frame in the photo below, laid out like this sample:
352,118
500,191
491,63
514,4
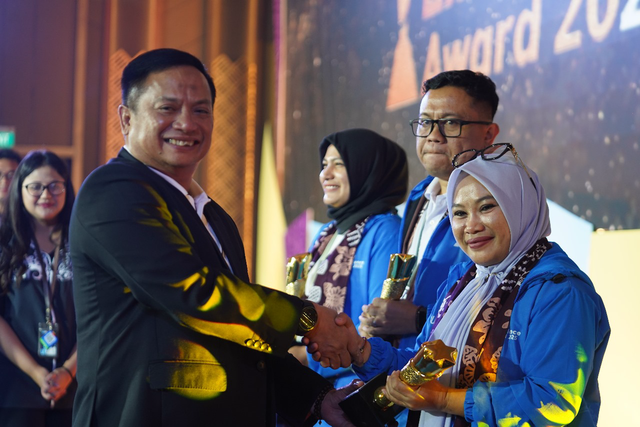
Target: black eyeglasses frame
49,187
440,122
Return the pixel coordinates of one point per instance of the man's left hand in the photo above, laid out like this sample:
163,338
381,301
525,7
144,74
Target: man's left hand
331,410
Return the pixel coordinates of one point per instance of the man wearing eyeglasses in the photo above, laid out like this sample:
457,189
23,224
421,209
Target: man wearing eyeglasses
9,160
456,114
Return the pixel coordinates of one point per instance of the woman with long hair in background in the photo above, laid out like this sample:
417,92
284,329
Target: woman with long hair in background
37,314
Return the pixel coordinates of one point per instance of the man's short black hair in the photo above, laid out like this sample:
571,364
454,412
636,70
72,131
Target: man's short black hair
476,85
7,153
136,72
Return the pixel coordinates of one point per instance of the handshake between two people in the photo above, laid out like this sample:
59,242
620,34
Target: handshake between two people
334,341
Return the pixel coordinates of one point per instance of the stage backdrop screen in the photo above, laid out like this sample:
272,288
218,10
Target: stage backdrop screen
567,72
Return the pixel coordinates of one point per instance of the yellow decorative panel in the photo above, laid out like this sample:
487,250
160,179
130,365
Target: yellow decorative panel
613,261
229,170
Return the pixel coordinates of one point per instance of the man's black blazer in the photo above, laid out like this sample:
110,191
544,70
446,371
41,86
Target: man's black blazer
167,334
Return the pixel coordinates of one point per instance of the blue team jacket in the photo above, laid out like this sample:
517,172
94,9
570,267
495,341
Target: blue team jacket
552,353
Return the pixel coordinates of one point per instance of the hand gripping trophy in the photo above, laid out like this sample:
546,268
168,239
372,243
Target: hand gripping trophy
433,358
368,406
399,273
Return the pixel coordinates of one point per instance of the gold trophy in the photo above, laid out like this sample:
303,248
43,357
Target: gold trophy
433,358
368,406
400,270
297,269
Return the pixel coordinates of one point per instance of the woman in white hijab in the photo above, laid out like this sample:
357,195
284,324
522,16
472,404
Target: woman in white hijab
529,327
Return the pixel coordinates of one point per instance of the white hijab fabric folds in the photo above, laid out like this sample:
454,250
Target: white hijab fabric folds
525,209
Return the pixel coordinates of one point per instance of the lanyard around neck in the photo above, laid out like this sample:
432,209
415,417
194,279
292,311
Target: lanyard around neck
50,287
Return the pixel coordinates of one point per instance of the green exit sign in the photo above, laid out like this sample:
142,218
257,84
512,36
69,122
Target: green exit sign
7,137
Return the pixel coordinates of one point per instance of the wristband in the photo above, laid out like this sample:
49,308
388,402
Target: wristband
68,371
317,409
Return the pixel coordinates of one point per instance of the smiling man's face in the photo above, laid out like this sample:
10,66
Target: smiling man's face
169,126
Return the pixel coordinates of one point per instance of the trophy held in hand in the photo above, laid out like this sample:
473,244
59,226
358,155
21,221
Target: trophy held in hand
368,406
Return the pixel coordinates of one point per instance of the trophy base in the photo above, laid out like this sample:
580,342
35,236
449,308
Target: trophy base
363,411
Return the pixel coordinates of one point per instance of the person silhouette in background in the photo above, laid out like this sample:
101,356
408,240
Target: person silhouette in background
37,313
9,161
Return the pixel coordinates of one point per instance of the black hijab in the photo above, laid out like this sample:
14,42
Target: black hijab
377,170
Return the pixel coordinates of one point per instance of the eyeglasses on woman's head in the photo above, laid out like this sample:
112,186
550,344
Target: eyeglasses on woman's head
491,152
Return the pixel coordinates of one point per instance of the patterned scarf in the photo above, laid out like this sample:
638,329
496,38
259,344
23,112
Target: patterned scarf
333,272
482,350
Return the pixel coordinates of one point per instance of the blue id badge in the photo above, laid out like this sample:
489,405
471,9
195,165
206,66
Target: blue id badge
48,340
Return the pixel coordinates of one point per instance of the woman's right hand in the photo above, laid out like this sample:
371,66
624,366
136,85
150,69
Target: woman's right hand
351,346
358,346
39,375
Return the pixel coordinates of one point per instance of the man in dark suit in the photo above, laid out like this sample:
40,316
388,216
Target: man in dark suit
170,331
